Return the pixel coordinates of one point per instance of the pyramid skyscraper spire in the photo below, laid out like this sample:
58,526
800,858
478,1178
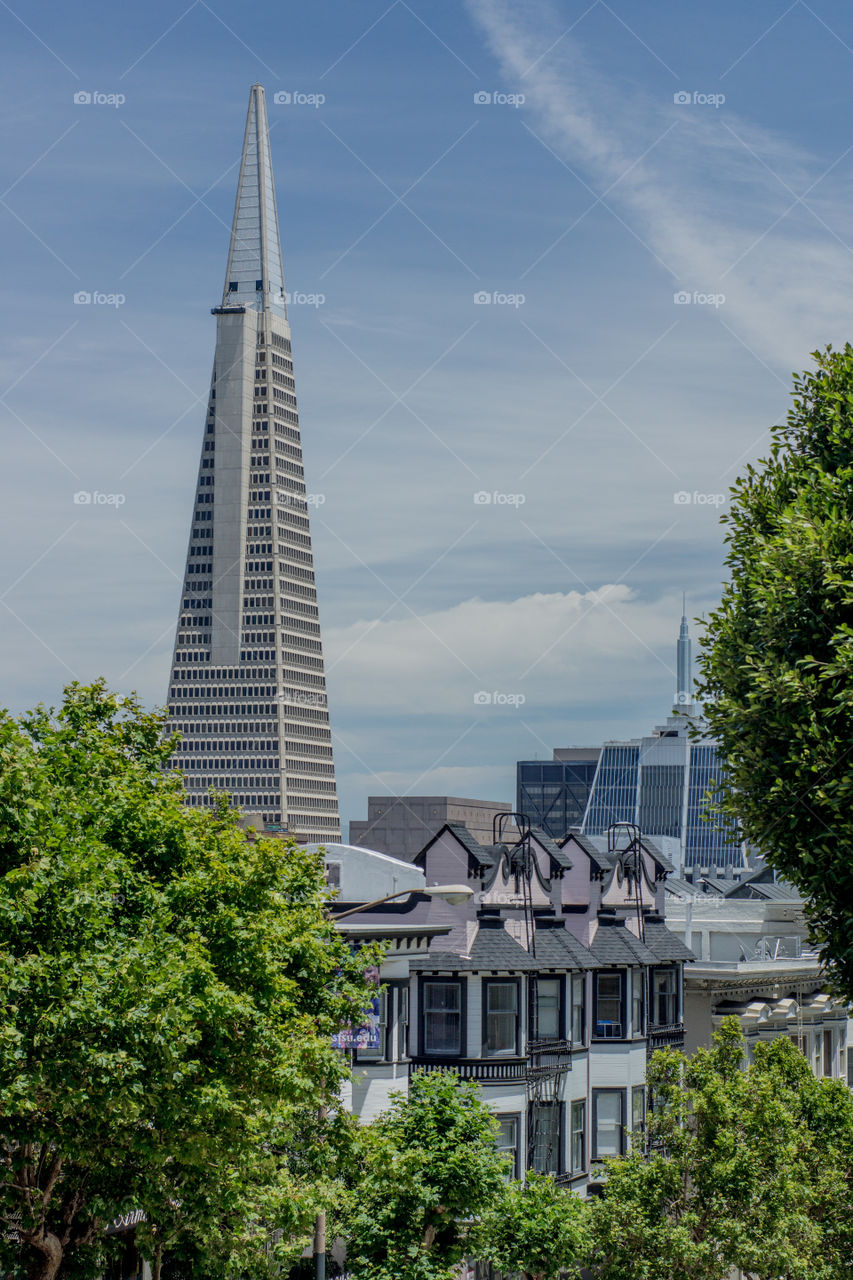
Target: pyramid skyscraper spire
684,664
248,690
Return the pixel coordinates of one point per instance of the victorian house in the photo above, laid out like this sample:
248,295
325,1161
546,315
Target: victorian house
549,987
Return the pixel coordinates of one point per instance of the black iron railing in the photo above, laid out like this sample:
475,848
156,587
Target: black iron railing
485,1069
665,1037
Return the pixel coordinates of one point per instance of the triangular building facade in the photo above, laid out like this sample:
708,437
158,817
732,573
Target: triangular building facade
248,689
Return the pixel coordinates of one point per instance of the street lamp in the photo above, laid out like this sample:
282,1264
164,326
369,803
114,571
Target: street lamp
455,895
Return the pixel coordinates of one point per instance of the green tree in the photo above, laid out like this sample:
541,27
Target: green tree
427,1168
535,1228
748,1168
777,657
168,991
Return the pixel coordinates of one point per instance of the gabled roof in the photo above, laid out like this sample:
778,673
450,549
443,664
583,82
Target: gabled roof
665,945
614,944
659,856
556,948
551,848
480,853
596,849
492,948
598,856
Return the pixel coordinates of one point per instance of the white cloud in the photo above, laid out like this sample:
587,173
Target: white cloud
547,649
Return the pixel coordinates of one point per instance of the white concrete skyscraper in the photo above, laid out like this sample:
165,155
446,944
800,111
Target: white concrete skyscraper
248,690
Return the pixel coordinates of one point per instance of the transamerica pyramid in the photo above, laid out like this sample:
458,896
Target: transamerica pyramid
248,690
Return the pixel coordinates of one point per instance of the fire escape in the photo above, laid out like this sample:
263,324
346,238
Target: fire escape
549,1058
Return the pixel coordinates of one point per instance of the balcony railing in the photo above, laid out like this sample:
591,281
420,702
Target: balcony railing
548,1058
487,1070
665,1037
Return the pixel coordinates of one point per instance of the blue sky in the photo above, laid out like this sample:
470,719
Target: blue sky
660,150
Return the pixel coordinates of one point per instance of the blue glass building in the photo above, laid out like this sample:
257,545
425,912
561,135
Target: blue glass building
665,782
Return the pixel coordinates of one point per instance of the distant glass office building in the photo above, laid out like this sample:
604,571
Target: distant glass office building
664,783
553,794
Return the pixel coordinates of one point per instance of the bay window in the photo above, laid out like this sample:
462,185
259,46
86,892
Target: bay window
500,1017
578,1136
442,1017
507,1142
547,1023
664,997
578,1008
608,1123
638,984
609,1001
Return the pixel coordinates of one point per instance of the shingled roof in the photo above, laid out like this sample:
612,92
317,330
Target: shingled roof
665,944
556,948
492,948
480,853
553,850
614,944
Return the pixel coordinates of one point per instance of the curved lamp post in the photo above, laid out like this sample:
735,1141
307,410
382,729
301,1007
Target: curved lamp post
455,894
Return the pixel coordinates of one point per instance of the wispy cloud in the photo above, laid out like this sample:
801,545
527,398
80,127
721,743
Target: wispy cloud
720,204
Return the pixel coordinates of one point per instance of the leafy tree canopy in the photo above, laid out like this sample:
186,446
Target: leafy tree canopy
428,1167
749,1168
535,1228
168,993
778,653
